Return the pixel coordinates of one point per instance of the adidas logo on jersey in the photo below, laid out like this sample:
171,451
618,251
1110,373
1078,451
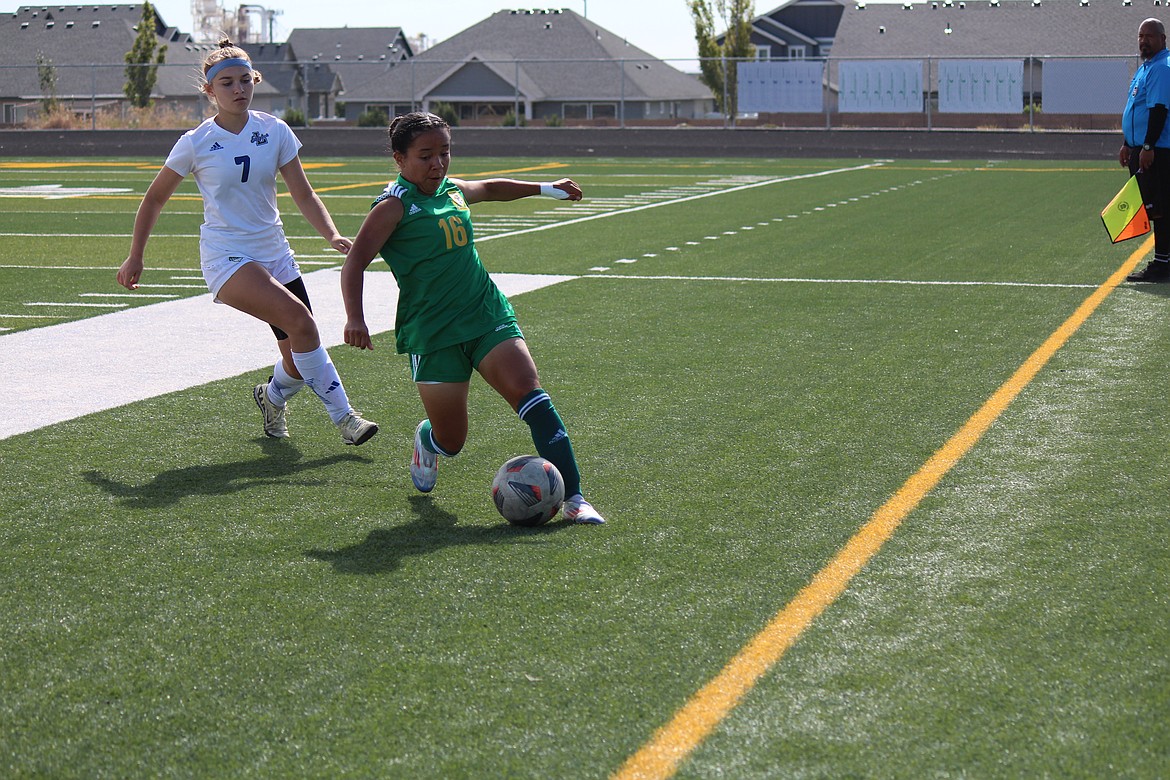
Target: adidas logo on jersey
215,147
414,209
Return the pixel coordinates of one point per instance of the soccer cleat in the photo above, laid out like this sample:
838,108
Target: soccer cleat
578,510
1154,271
355,430
424,465
275,419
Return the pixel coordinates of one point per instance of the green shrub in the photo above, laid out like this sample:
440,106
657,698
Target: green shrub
294,117
373,117
511,120
446,112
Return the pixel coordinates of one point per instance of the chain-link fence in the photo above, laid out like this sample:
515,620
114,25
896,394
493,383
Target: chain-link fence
1027,92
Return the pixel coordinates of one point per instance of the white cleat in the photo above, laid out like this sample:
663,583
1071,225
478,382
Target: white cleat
275,419
356,430
578,510
424,464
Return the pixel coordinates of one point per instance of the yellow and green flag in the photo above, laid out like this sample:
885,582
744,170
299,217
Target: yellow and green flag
1125,216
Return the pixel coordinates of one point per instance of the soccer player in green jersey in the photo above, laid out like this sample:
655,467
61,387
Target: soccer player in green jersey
451,318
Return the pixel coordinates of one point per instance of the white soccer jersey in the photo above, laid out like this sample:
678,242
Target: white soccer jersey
236,175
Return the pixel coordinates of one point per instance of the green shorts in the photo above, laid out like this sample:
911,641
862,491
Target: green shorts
456,362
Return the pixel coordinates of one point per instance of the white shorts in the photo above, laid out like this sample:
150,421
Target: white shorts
218,270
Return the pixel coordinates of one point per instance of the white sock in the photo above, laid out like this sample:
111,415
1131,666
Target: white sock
283,385
322,379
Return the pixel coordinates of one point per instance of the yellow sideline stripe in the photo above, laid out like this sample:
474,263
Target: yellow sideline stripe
671,744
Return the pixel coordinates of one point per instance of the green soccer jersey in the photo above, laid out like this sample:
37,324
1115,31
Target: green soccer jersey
445,296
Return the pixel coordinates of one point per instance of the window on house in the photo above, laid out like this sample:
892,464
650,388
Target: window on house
796,52
492,110
604,111
763,52
576,110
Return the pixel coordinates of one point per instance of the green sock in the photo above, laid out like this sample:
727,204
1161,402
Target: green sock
551,439
429,443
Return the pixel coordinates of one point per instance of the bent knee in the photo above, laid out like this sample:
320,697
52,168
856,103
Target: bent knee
300,326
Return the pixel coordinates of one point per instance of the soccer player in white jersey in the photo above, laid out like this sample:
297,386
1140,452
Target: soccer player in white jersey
234,157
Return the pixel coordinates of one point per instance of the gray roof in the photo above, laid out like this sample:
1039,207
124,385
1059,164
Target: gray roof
551,55
278,71
805,23
57,35
347,57
349,43
1015,28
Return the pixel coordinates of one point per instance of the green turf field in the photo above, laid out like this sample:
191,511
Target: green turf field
883,448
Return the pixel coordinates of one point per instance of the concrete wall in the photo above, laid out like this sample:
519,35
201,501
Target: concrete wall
615,142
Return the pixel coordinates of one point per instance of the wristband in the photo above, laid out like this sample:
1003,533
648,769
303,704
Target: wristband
549,191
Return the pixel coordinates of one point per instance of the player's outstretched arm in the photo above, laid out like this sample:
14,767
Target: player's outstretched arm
513,189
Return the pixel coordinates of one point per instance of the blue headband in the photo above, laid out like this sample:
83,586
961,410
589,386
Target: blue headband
233,62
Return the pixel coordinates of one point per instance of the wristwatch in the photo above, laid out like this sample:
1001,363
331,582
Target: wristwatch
1146,147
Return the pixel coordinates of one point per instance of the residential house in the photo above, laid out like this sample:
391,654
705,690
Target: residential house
341,67
796,30
976,58
534,64
1087,47
75,54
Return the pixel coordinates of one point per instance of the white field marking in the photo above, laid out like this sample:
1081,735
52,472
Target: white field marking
688,198
56,191
138,353
105,270
910,282
127,295
78,305
98,235
173,286
31,316
4,330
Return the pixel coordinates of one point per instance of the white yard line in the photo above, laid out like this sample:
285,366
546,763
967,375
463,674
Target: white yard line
806,280
78,368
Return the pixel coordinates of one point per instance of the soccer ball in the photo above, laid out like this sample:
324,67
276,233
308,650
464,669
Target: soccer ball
528,490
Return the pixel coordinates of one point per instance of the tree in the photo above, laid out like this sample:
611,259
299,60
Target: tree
47,76
142,61
717,62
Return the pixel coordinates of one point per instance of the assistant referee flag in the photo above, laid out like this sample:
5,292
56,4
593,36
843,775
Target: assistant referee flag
1125,216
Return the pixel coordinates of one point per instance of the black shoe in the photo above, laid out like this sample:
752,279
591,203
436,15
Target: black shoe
1154,271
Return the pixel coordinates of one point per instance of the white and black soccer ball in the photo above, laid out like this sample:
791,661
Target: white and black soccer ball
528,490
